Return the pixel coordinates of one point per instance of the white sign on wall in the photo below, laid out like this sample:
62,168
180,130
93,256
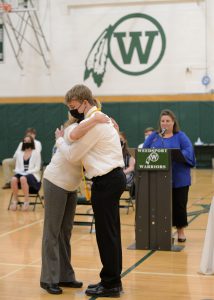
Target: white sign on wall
135,45
116,48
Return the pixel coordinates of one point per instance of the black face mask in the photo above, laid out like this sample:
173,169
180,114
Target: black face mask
27,146
77,115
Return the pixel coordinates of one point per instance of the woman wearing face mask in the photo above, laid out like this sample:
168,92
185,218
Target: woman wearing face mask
27,172
169,136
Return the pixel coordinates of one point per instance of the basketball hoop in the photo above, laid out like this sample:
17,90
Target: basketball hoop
5,7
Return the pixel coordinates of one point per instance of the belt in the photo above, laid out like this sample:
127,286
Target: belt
105,175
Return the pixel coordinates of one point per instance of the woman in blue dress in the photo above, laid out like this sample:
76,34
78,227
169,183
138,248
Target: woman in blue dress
169,136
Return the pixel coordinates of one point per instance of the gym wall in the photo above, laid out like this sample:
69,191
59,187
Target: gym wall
133,115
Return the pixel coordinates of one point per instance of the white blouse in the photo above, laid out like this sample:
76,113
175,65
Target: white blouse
34,164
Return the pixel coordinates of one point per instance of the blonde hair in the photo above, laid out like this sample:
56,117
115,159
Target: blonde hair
97,103
70,121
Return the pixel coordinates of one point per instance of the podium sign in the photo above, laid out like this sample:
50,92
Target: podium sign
153,199
152,159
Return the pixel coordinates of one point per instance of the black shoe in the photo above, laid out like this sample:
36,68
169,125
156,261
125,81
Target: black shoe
71,284
51,288
101,291
93,286
6,186
182,240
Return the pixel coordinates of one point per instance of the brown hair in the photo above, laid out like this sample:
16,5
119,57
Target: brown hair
168,112
80,92
125,149
30,130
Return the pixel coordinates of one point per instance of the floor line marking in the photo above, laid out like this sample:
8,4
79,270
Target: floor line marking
169,274
23,266
19,269
32,265
20,228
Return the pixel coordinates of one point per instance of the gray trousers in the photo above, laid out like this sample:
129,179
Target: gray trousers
60,208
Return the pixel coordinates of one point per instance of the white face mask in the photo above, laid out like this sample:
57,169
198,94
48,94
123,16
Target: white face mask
146,136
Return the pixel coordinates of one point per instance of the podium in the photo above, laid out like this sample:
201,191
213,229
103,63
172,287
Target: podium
153,228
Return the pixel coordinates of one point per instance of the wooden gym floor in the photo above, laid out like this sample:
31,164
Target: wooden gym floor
147,275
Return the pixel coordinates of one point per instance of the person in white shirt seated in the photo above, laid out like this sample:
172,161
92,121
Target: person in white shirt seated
8,164
147,132
27,172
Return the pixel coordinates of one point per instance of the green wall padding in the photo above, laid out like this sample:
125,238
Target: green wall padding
16,118
195,118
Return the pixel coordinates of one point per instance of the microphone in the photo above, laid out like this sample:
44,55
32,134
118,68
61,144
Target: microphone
163,131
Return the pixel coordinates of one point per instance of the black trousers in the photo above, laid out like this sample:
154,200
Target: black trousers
179,206
106,191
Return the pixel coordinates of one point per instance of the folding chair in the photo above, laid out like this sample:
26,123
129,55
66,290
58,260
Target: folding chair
82,201
38,199
32,194
128,198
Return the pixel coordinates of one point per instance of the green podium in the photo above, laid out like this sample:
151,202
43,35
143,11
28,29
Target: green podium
153,218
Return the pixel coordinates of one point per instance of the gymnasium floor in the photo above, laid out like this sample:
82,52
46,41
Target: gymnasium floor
147,275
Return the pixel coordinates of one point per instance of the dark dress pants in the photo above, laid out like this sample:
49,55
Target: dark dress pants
105,197
179,206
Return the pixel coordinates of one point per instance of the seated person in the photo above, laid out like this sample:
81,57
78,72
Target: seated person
147,132
8,164
129,161
27,172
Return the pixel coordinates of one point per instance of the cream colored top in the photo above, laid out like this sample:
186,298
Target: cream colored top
99,149
64,174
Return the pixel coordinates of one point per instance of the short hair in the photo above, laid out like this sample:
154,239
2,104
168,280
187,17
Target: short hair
79,92
30,130
168,112
148,129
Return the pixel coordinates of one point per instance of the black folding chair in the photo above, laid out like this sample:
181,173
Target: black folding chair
87,214
128,197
